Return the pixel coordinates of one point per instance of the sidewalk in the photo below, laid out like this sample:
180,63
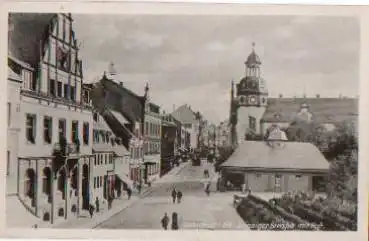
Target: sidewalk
85,222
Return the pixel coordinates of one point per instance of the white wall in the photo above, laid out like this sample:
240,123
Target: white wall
40,148
13,134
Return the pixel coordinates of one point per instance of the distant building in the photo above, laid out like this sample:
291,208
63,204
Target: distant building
124,113
168,143
223,134
275,165
152,150
187,117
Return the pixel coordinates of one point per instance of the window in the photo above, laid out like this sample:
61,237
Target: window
48,129
64,28
86,133
94,182
100,181
95,116
86,97
52,87
146,128
298,177
277,181
72,93
252,123
74,132
258,175
106,159
62,128
66,89
8,163
28,82
9,112
60,89
31,128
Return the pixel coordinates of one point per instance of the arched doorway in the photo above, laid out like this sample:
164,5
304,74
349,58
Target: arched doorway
85,187
46,182
62,181
74,180
29,185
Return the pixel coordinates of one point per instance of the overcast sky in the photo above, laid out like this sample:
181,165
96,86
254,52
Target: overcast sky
192,59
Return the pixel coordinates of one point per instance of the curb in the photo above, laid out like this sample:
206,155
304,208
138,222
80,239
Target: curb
93,225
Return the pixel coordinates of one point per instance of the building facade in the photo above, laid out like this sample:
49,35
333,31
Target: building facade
153,134
275,165
168,143
190,123
13,118
55,163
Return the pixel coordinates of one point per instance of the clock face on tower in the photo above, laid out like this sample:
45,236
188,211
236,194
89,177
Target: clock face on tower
252,84
252,100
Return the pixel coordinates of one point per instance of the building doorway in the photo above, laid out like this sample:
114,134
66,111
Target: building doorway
46,183
29,185
85,187
235,180
62,181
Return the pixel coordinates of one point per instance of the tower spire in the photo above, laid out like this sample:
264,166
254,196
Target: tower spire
253,46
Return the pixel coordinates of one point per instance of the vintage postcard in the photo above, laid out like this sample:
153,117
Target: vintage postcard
184,119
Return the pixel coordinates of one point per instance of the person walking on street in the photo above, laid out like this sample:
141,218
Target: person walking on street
91,210
179,196
207,188
165,221
97,205
129,193
174,195
174,221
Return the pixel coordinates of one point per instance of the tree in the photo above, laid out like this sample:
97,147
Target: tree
342,177
303,131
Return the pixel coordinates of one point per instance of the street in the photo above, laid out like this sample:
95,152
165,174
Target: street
196,210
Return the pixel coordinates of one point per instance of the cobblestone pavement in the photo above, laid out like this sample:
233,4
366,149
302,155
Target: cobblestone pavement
196,211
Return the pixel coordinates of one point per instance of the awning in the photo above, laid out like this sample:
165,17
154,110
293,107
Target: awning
125,179
119,117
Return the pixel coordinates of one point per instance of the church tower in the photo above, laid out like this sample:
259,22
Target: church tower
251,98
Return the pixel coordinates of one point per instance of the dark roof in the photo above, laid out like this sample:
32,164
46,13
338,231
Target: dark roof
292,155
123,100
324,110
184,114
253,59
29,30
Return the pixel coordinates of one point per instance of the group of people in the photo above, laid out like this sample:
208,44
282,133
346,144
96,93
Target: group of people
165,221
176,195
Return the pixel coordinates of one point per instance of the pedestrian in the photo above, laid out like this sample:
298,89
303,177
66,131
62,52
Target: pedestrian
139,188
97,204
174,195
129,193
179,196
165,221
174,221
91,210
207,188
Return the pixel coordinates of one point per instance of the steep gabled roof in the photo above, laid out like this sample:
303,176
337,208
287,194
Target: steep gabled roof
324,110
184,114
28,33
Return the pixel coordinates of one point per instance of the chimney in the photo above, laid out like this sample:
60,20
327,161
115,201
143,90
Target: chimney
280,96
318,96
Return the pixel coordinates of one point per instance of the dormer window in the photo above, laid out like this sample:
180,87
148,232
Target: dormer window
28,82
